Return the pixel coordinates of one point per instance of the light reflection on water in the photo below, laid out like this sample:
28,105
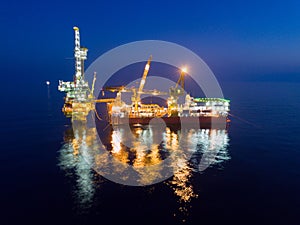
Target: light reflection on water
76,167
208,148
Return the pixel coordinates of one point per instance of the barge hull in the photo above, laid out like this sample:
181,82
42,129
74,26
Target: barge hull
205,122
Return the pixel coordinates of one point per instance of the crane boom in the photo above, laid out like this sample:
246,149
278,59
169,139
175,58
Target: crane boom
142,83
91,95
181,79
146,71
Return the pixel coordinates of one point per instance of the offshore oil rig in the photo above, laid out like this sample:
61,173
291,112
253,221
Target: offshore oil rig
80,100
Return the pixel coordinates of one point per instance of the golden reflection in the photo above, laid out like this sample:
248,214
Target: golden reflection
117,151
181,183
75,147
209,148
147,156
189,152
183,189
182,173
144,161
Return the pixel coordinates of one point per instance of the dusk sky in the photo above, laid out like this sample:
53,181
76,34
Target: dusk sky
223,152
239,40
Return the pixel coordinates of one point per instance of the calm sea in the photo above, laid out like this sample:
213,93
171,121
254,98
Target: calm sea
254,178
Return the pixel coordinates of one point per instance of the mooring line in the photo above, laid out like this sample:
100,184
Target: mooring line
245,121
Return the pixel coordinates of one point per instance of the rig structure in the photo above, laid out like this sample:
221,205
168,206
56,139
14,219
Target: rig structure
80,100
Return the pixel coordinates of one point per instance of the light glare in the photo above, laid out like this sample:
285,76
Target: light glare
184,70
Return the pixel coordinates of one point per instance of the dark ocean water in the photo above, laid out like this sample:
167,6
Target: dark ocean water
255,179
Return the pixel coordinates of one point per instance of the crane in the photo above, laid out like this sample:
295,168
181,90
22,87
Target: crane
137,94
181,78
175,92
91,95
178,91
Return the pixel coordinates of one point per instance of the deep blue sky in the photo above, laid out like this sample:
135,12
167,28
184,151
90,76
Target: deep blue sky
239,40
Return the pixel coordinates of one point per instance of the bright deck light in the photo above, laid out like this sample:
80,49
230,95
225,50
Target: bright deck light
184,70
